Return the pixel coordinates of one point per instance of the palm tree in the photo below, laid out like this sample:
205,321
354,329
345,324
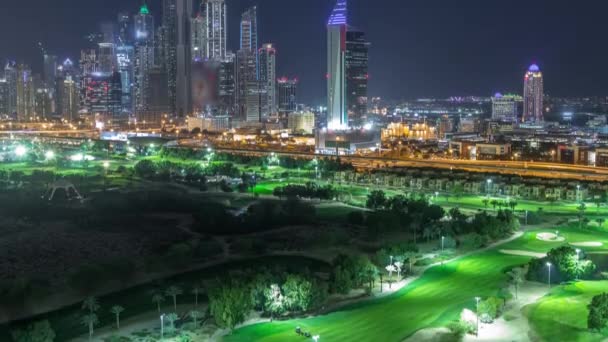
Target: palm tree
174,291
196,290
90,320
172,317
399,266
91,304
427,233
158,298
116,310
494,203
390,269
485,202
517,277
411,258
195,314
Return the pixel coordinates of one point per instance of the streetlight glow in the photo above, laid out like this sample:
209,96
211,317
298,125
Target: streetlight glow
20,151
49,155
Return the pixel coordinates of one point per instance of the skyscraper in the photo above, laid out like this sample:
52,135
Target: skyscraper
337,114
199,36
356,62
184,10
69,100
249,33
125,33
287,90
4,97
144,56
50,70
169,55
125,60
10,74
215,11
267,75
25,93
504,107
245,78
533,95
107,57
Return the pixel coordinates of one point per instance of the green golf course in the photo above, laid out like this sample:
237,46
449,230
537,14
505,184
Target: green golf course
437,298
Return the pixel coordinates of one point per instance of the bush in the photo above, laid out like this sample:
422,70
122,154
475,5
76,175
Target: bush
598,312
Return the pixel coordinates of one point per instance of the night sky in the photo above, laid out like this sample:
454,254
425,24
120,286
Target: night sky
420,48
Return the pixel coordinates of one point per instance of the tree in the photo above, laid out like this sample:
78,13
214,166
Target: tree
196,290
40,331
376,200
229,303
90,320
158,298
485,202
274,300
91,304
172,318
411,258
517,278
117,310
398,266
598,312
298,292
342,280
195,315
489,309
390,269
145,168
173,292
581,214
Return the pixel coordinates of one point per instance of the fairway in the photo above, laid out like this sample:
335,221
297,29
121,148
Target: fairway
562,315
431,301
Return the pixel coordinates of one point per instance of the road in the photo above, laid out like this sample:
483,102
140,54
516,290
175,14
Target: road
519,168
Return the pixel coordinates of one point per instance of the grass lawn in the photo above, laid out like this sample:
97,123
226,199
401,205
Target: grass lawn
562,315
431,301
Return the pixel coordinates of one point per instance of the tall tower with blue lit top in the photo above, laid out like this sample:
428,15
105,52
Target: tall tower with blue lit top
337,112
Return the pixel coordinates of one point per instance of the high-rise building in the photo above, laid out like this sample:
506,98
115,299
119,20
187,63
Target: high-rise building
227,85
108,32
43,102
4,97
504,107
125,31
287,90
25,94
215,11
144,56
50,70
107,57
169,49
303,122
356,62
88,62
183,88
245,77
10,75
69,100
103,97
249,32
199,36
268,74
337,113
125,60
533,95
256,102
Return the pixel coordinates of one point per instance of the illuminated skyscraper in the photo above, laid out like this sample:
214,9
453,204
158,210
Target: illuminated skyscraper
249,34
50,70
69,99
267,75
199,36
169,48
10,75
107,57
4,97
125,32
533,95
287,98
25,93
356,62
144,56
183,88
215,10
504,107
337,114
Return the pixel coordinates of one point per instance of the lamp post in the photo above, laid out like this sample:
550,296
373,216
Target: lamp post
549,272
442,242
488,182
162,326
106,165
578,258
337,146
477,314
379,149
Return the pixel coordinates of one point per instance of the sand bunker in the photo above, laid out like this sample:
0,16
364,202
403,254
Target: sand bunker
550,237
587,244
522,253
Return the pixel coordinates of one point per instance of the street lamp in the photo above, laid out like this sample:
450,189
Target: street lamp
106,165
162,326
442,242
391,260
49,155
477,314
489,182
549,272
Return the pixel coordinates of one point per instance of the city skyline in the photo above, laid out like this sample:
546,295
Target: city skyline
449,56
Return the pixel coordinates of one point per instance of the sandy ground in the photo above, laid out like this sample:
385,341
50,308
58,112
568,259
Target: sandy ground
587,244
550,237
522,253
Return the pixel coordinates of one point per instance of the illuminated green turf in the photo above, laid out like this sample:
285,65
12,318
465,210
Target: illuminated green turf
433,300
562,315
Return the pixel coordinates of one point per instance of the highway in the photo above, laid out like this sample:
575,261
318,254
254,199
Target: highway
518,168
